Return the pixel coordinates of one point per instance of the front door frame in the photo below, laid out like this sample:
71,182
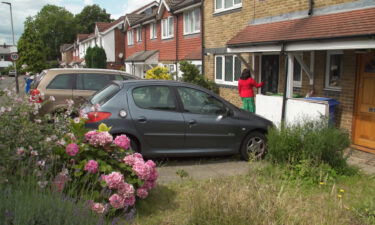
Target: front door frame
360,64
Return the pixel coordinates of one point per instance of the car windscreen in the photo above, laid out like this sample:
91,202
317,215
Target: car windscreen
105,94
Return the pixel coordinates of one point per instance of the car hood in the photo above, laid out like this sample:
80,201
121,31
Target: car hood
245,115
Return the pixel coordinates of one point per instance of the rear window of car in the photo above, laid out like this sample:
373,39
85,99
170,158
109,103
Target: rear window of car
105,94
62,81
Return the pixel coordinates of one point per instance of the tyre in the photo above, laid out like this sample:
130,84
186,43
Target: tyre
254,146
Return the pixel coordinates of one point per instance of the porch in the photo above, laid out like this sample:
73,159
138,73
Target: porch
315,56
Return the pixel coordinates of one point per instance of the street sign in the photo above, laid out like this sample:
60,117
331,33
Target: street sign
14,56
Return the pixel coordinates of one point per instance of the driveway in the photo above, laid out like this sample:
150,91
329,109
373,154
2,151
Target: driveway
216,167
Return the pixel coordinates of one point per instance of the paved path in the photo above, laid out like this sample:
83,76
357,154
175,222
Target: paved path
208,168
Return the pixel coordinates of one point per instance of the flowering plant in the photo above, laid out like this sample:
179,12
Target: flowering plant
107,165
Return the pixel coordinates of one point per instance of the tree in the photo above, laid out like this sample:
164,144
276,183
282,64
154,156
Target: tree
158,73
96,58
31,47
89,15
191,74
53,26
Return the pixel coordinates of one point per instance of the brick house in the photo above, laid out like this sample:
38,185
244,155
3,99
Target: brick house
5,60
163,34
323,48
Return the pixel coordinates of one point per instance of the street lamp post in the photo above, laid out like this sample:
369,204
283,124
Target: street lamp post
14,44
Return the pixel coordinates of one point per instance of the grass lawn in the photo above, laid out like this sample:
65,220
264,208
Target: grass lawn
267,195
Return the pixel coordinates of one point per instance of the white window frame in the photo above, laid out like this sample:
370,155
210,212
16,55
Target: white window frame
187,22
169,32
130,34
139,34
222,80
153,31
328,63
297,84
222,8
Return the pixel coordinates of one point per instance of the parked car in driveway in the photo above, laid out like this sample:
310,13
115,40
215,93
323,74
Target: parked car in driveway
169,118
12,73
78,84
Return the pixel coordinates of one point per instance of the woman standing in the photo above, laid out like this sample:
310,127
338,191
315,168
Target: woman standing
245,89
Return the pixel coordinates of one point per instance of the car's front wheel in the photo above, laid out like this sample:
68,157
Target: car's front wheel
254,146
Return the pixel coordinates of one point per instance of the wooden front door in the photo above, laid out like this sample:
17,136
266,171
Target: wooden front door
364,116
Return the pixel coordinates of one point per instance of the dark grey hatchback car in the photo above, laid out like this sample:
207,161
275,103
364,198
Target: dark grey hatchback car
169,118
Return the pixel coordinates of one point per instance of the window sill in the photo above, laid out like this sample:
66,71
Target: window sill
191,34
332,89
227,11
167,38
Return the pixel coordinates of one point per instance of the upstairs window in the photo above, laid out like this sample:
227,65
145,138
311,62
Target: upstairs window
153,31
139,34
167,27
223,5
130,37
192,21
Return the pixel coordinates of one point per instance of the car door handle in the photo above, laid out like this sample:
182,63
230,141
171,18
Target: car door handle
192,122
142,119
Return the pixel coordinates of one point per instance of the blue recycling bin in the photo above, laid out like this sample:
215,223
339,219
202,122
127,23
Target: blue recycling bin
332,103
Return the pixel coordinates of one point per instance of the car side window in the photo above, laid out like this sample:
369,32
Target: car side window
62,81
154,98
92,81
199,102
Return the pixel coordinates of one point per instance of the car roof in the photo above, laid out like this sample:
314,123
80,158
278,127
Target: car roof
87,70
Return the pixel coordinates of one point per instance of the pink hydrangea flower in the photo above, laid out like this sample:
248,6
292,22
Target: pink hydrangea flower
117,201
126,190
142,170
114,180
101,139
122,141
98,208
91,166
72,149
130,201
151,163
149,184
89,134
131,159
142,193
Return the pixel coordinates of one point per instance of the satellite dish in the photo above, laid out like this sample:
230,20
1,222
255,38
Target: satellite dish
120,55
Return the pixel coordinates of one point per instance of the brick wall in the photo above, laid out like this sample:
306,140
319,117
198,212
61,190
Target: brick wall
119,46
167,47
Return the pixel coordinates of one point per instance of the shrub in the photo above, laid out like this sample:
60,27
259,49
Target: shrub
158,73
315,141
96,58
192,75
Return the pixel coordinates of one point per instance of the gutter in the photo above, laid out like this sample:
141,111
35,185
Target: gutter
251,44
202,36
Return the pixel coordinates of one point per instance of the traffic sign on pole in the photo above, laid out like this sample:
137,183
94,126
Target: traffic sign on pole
14,56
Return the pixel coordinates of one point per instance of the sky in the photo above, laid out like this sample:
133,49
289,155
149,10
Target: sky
24,8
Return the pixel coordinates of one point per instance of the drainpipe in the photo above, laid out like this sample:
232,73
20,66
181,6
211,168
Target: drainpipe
285,85
311,7
202,35
177,42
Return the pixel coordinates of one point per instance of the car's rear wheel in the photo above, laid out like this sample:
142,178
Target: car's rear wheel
254,146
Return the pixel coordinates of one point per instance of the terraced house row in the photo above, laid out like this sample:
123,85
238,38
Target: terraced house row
319,48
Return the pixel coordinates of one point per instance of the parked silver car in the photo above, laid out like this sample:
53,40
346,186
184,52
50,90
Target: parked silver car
168,118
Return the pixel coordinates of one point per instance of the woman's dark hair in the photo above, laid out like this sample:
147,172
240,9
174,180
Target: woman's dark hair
245,74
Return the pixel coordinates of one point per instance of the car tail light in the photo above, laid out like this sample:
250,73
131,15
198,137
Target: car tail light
36,96
97,116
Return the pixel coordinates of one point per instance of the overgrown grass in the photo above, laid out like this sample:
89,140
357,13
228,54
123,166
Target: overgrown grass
315,141
264,196
25,203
